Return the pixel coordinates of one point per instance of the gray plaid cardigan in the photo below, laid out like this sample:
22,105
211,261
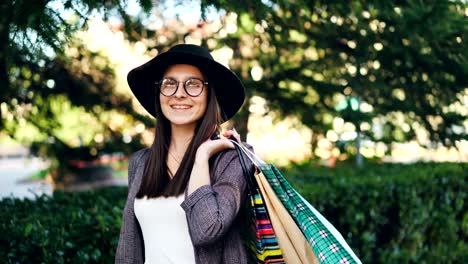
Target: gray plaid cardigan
211,212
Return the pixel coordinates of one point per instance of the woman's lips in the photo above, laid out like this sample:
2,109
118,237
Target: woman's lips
181,107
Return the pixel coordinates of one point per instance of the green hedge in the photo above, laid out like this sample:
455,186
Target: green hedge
66,228
393,213
389,213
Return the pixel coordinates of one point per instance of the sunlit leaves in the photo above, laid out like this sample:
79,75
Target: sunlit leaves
384,53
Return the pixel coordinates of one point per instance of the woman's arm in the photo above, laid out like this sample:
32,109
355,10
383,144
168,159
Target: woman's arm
211,209
200,172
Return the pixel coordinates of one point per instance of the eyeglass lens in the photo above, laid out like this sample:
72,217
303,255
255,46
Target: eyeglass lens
192,86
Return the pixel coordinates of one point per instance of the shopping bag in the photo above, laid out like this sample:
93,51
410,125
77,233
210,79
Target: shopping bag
257,232
326,242
292,242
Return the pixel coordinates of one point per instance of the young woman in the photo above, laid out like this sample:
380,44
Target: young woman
186,190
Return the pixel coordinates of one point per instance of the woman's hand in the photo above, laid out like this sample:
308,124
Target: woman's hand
211,147
200,172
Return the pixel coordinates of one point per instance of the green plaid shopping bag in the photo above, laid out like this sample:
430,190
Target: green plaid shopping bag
327,243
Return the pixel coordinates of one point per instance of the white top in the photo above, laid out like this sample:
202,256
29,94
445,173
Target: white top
165,230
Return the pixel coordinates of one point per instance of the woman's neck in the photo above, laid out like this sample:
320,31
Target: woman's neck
180,139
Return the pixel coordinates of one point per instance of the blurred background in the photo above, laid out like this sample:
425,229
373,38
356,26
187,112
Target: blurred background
362,104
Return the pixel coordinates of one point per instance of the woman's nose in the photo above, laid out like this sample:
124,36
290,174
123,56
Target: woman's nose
180,91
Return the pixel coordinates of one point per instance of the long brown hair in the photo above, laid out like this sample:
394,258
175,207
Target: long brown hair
155,181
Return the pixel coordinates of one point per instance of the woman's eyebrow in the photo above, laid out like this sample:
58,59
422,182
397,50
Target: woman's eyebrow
186,78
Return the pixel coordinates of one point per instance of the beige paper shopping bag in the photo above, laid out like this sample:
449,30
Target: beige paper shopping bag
292,242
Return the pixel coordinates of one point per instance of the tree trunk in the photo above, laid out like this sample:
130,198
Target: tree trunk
359,161
4,46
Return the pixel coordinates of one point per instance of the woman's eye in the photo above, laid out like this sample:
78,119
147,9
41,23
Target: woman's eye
193,83
170,83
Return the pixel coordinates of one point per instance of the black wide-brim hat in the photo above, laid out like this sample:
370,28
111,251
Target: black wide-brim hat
228,88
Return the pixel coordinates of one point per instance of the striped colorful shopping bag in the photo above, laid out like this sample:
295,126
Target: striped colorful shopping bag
257,232
327,243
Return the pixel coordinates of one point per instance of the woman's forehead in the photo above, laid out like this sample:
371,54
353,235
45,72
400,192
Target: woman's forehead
183,70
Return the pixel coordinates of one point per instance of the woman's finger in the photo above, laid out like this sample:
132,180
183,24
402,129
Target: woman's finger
232,132
236,135
229,144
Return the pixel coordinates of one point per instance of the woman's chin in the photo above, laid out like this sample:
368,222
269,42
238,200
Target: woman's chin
182,122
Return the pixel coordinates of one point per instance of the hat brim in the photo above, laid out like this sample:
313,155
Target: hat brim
228,88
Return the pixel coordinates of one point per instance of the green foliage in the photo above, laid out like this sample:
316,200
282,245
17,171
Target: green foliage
314,56
56,94
57,101
39,175
66,228
407,57
393,213
388,213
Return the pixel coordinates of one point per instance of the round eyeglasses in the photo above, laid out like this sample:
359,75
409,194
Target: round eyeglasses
192,86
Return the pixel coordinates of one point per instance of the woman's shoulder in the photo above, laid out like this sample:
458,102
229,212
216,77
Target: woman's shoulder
140,156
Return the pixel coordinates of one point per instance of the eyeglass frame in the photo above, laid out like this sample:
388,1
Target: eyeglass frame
159,83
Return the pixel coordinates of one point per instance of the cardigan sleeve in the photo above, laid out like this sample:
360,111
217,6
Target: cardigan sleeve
130,247
211,209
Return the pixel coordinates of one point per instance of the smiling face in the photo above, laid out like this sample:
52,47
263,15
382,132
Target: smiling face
182,109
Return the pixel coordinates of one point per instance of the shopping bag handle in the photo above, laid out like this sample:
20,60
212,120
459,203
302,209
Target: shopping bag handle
241,153
257,161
